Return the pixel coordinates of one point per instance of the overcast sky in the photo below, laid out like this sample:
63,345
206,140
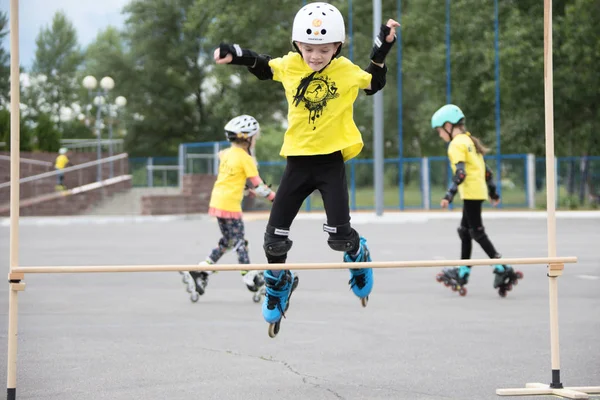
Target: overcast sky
87,16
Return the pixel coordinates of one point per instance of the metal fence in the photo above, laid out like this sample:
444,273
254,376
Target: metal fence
409,183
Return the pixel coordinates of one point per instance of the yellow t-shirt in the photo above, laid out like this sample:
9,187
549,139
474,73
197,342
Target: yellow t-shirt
462,149
320,118
236,165
61,161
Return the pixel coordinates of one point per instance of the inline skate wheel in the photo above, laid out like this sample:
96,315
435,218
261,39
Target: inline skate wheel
519,275
194,297
502,292
364,301
446,283
508,287
256,298
463,291
439,277
184,277
274,329
454,288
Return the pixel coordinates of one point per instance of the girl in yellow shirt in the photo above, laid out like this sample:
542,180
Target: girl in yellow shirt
473,180
320,89
236,166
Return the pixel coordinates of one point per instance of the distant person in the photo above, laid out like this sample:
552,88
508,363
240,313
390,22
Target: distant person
62,161
474,181
236,166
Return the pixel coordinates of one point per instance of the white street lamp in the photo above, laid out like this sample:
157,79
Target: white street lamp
121,101
107,83
89,82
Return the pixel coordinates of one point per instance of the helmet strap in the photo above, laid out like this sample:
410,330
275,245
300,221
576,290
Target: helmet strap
451,130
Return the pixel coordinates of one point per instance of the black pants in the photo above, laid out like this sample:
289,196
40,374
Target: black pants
471,227
302,176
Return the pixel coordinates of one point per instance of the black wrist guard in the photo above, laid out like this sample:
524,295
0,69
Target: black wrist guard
381,48
492,192
239,56
451,192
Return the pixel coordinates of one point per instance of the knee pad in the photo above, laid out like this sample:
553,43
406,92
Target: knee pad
463,234
240,244
224,243
276,242
342,237
478,234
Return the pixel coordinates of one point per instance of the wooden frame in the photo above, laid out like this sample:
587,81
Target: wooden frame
555,264
554,271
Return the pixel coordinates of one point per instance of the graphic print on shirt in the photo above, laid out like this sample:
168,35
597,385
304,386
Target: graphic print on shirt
315,93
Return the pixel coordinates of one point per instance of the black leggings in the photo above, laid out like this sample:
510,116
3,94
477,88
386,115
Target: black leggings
302,176
471,227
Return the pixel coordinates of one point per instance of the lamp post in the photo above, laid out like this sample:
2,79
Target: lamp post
120,102
106,84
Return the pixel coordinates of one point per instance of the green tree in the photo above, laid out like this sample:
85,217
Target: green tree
25,132
577,99
4,62
57,58
48,137
107,56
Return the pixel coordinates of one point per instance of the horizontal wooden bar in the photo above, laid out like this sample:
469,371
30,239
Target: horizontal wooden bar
297,266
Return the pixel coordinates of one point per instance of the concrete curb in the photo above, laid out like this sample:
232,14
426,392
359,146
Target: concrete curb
390,217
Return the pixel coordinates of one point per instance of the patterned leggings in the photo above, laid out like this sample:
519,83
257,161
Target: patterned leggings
233,239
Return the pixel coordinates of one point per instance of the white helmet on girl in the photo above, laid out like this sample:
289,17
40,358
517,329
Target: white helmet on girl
242,127
319,23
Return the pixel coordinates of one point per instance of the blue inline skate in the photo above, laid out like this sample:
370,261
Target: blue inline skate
361,279
456,278
277,299
505,278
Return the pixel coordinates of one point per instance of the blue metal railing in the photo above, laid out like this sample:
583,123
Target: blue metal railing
405,184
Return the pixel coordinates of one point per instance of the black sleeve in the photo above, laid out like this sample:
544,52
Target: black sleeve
378,78
261,69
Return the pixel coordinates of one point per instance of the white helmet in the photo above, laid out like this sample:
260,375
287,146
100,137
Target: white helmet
319,23
241,127
63,150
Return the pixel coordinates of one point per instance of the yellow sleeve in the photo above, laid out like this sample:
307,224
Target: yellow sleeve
249,167
356,74
363,78
457,152
279,65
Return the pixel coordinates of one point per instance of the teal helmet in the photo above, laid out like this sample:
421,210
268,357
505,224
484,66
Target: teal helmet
448,113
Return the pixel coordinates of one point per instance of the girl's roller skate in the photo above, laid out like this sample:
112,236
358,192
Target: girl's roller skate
361,279
277,298
456,278
185,277
505,278
255,283
196,282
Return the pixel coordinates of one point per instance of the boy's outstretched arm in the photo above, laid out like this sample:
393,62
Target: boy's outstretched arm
383,44
258,64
